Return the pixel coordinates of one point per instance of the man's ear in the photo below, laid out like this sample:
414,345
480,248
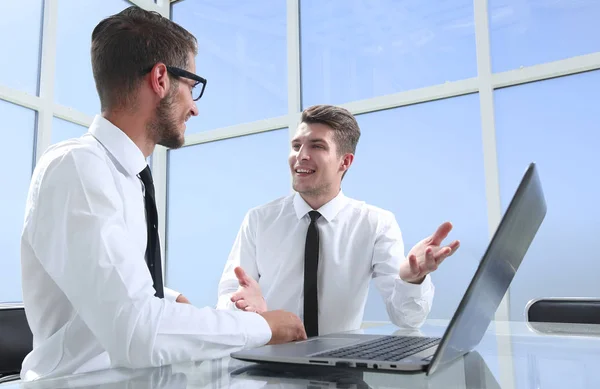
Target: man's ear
159,80
346,162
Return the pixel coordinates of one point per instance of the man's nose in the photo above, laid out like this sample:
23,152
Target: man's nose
303,154
194,110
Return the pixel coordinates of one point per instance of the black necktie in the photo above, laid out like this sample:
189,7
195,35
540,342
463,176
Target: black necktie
311,264
153,245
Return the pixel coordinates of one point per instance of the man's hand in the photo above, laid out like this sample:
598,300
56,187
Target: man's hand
182,299
427,255
285,327
248,296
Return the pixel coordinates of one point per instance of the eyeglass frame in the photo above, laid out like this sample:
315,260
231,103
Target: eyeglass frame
178,72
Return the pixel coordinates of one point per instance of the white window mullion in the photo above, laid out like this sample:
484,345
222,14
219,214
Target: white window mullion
492,182
47,76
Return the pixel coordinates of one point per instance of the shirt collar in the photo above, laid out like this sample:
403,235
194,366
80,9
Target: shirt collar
119,145
329,210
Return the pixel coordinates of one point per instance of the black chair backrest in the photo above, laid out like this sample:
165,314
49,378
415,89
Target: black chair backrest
564,310
16,340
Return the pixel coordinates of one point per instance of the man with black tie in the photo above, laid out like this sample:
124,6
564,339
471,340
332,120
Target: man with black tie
315,252
90,254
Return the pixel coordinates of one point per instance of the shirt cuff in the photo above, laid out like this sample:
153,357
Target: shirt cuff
224,302
257,329
407,289
170,294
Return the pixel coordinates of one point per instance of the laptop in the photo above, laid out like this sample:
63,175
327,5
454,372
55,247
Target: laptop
473,373
469,323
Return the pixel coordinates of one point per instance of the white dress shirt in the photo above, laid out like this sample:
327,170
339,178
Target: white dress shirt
87,291
358,242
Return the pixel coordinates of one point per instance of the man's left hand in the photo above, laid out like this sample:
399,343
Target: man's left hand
427,255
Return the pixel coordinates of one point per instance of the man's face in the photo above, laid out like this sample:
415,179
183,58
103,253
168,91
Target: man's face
175,109
315,166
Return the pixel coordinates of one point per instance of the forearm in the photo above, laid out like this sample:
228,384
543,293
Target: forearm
186,333
408,305
242,254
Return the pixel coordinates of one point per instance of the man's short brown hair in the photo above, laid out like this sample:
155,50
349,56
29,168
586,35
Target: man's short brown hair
346,131
126,44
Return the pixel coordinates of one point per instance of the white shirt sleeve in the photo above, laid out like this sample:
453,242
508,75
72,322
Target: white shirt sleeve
87,251
243,254
407,304
170,294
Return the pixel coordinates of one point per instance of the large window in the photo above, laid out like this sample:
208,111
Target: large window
554,123
211,187
354,50
63,130
75,85
45,46
20,29
18,128
432,148
411,72
425,164
242,54
531,32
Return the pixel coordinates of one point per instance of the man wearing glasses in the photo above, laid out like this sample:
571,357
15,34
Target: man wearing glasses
90,254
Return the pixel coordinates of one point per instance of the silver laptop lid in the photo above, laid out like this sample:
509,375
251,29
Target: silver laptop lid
496,270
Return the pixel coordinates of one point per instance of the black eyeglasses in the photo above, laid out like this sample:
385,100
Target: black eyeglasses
177,72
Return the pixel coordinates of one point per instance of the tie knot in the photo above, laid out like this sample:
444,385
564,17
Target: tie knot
314,215
146,175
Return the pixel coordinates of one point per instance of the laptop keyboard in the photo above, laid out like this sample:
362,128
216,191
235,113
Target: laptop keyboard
388,348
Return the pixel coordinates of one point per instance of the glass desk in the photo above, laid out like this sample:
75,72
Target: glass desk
513,355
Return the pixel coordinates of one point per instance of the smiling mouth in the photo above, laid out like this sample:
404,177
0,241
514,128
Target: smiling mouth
303,171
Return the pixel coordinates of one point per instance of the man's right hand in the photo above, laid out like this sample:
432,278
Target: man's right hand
285,326
248,296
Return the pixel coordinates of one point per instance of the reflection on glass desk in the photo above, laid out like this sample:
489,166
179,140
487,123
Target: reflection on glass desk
513,355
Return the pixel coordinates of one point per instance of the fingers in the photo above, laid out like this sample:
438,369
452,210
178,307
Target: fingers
454,246
430,262
239,295
414,264
241,276
245,306
441,233
447,251
442,253
241,304
302,335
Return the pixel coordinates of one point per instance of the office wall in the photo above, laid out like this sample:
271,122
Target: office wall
453,101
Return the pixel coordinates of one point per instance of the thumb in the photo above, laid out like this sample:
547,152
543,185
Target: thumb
241,276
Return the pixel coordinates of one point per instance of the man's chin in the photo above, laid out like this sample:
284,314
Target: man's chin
172,143
304,190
